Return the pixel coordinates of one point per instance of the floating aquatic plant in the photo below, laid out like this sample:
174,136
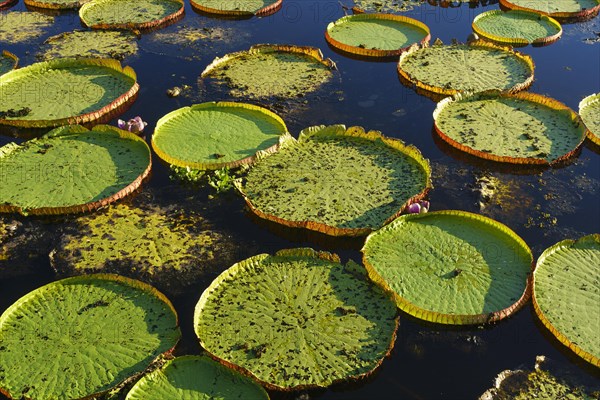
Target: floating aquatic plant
589,109
521,128
246,8
451,267
385,6
65,91
517,28
8,61
86,44
338,181
376,35
566,294
125,14
56,4
97,166
559,9
297,319
80,337
19,26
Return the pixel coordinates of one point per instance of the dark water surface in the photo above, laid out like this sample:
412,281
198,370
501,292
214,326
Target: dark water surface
428,362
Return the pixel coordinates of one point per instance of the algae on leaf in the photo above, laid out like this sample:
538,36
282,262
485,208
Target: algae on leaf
517,27
79,337
589,109
195,378
338,181
84,44
272,70
127,14
297,319
451,267
20,26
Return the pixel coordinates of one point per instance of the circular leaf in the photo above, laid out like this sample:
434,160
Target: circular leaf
56,4
72,170
518,28
376,35
559,9
195,378
20,26
338,181
522,128
8,62
589,109
125,14
237,8
82,336
451,267
566,294
297,319
216,135
65,91
84,44
272,70
448,70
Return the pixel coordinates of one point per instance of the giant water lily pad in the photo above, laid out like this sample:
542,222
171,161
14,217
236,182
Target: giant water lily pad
8,62
65,91
216,135
385,6
239,8
84,44
376,35
72,169
566,294
441,70
516,27
171,250
451,267
195,378
56,4
127,14
272,70
19,26
589,109
82,336
338,181
297,319
522,128
560,9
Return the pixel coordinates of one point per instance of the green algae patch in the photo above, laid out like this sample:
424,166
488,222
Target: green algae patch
195,378
560,9
518,28
385,6
272,70
376,35
168,249
240,8
8,62
297,319
56,4
90,44
522,128
217,134
19,26
566,294
451,267
65,91
589,110
80,337
125,14
444,70
72,169
338,181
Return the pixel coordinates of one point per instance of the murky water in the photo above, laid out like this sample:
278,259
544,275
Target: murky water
428,362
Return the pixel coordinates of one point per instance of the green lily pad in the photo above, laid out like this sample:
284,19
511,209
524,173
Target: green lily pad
56,4
126,14
297,319
20,26
74,91
170,250
217,135
338,181
517,27
238,7
522,128
376,35
82,336
8,62
272,70
90,44
72,169
589,109
385,6
451,267
195,378
562,9
441,70
566,294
